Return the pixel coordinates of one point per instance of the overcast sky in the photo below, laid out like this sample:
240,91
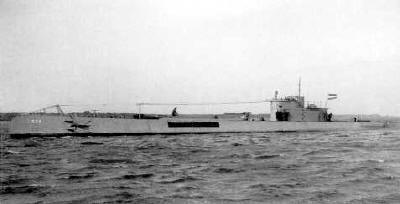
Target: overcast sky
123,52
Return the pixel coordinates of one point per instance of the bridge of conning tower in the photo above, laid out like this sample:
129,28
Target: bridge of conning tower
291,108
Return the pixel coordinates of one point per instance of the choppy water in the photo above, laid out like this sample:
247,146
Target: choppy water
330,167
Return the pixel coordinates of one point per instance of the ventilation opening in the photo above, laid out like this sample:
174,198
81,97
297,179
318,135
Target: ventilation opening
193,124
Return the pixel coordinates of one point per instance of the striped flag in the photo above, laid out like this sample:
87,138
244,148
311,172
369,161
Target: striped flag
332,96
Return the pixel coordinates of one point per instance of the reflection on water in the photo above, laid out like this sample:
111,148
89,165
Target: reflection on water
341,167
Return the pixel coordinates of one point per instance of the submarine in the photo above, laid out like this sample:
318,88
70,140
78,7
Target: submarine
287,114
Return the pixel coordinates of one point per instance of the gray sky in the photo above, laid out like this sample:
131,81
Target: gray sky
122,52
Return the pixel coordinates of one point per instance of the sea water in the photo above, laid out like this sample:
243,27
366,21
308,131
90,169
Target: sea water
324,167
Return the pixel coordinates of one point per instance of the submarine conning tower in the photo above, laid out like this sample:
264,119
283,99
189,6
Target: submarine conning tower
291,108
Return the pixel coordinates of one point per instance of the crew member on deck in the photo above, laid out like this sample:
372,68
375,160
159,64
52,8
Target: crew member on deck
174,113
329,119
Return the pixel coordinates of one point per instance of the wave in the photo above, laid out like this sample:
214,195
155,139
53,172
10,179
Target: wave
267,156
137,176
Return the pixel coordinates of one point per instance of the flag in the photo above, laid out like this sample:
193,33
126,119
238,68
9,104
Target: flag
332,96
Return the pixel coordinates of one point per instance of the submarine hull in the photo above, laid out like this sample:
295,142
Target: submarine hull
48,125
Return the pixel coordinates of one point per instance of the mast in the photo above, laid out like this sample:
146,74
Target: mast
299,88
